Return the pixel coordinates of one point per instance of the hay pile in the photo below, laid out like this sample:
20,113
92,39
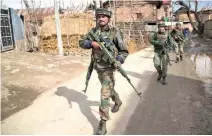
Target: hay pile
132,46
49,45
73,26
76,23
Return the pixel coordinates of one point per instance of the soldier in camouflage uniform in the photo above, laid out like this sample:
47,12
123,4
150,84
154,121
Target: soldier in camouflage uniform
101,63
161,41
179,38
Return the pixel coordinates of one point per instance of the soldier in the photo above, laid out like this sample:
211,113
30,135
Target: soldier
161,41
179,38
102,65
166,28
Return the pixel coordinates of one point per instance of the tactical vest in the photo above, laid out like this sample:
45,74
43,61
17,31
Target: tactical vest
180,34
98,55
161,37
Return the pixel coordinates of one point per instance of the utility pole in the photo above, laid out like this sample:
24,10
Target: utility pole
57,22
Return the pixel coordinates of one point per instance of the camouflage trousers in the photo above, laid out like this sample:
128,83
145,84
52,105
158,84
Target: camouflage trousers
107,91
179,49
161,63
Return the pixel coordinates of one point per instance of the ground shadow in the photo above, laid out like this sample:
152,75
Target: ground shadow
180,107
84,104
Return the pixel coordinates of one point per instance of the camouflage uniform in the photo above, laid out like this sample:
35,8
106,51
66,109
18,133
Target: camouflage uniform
161,41
102,65
178,42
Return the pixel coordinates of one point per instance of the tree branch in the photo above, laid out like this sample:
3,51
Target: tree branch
199,28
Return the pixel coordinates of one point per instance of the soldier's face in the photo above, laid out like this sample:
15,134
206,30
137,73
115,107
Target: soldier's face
161,29
179,27
102,20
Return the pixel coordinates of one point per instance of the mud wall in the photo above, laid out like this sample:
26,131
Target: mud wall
208,29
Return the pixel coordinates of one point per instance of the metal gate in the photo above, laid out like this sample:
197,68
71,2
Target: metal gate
6,32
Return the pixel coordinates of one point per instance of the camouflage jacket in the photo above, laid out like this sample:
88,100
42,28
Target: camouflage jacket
160,40
175,33
117,47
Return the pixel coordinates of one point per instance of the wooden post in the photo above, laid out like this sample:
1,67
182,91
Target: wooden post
58,28
142,38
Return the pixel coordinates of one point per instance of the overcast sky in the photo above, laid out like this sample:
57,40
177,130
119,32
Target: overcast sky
17,4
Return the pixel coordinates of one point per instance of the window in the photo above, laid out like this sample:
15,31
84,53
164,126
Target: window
139,16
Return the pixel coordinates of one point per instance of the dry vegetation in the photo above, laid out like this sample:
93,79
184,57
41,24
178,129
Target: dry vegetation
73,27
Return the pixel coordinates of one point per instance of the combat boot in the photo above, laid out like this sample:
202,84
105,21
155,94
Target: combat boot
159,76
181,57
164,80
116,106
102,130
177,60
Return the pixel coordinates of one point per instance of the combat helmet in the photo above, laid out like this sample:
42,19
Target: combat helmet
102,11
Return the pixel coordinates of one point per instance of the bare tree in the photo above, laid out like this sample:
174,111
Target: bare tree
199,27
32,30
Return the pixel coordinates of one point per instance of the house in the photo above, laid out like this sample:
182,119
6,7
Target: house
135,14
137,10
205,14
208,28
135,17
181,15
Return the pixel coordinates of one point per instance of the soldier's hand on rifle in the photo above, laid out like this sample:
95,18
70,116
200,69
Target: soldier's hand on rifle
117,65
95,45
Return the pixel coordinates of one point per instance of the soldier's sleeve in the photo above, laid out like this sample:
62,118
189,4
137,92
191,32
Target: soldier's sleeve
85,43
152,39
172,33
122,48
171,41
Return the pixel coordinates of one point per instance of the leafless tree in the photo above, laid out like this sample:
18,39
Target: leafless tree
32,27
199,27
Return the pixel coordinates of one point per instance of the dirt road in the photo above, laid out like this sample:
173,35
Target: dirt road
181,107
26,75
184,106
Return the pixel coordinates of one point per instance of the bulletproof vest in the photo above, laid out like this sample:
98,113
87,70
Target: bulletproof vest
98,54
179,33
162,36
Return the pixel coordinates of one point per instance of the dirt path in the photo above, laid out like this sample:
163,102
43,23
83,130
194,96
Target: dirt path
26,75
181,107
